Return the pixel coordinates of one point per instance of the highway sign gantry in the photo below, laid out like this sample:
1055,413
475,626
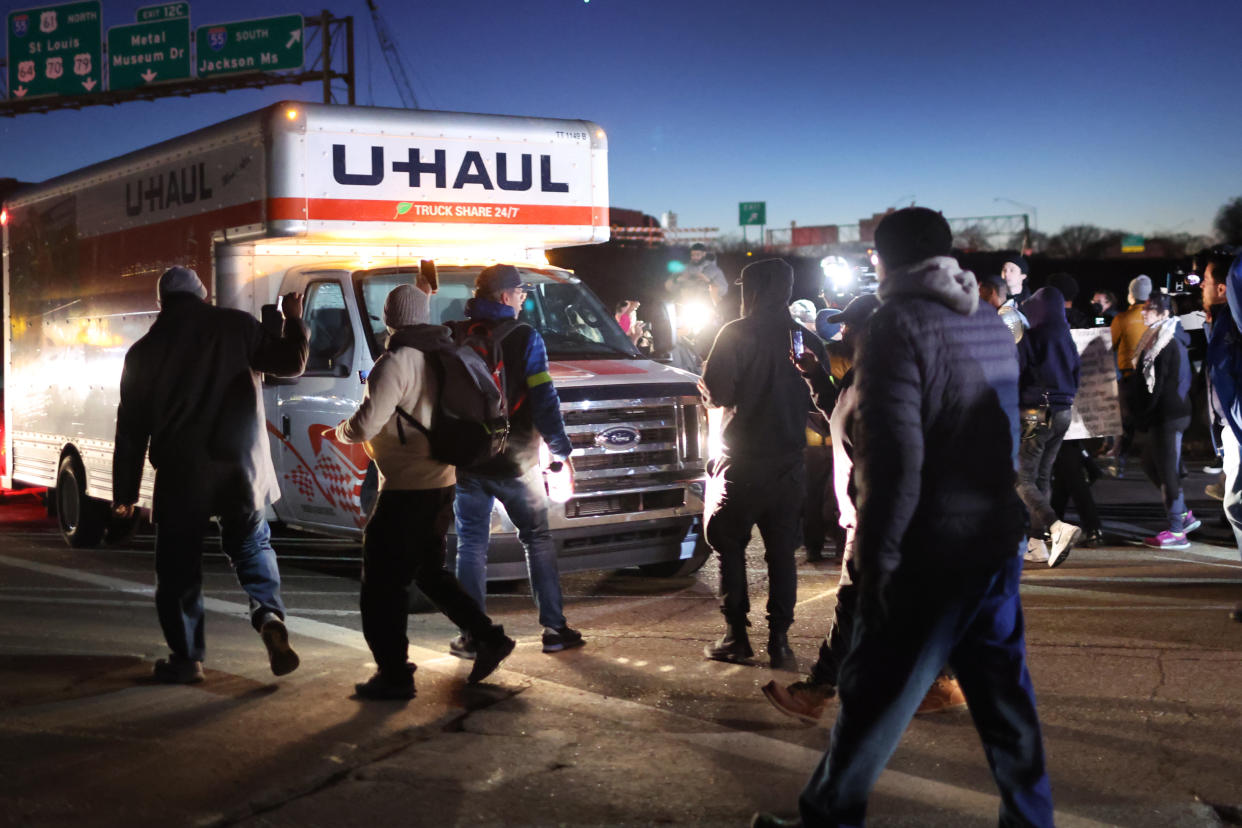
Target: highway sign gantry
55,50
263,45
140,54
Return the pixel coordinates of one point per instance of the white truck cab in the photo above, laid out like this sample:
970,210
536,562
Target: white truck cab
342,204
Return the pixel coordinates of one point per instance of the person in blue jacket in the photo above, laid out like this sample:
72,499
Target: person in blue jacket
514,476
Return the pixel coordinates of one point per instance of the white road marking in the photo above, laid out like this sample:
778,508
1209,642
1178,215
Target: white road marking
742,744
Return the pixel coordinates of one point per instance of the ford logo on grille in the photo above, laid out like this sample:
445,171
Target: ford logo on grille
619,438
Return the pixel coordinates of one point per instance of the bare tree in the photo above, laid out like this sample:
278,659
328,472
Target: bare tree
1228,222
972,238
1038,242
1082,241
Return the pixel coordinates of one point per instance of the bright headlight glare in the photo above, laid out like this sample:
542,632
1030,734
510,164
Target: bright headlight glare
695,316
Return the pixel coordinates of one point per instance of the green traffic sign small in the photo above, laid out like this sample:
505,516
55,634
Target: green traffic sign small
164,11
263,45
140,54
752,213
55,50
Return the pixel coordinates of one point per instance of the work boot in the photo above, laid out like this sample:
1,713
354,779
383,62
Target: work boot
780,654
280,655
944,694
177,670
733,646
803,700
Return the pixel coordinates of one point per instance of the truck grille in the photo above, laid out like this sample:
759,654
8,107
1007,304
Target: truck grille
644,476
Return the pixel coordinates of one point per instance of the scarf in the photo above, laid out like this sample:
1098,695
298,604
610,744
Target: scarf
1152,343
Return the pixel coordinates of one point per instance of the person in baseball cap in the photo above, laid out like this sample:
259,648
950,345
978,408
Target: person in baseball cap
495,280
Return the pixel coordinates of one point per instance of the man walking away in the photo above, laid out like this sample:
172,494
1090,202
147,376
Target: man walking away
190,391
1127,328
759,478
513,477
1048,359
938,534
1222,300
404,538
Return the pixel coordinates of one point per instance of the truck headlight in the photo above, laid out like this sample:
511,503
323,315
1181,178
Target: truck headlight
838,274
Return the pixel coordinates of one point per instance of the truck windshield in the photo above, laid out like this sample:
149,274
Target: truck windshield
572,321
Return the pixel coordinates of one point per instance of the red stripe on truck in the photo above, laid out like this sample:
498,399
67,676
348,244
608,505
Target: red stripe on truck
351,209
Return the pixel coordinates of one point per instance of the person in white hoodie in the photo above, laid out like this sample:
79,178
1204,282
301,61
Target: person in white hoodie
404,536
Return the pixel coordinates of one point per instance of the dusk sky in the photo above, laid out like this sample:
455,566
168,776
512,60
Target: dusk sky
1122,114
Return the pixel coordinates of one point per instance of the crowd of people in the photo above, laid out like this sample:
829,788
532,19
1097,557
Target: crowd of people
925,439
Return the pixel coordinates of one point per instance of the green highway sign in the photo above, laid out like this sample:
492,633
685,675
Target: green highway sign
752,213
164,11
1133,244
250,46
55,50
140,54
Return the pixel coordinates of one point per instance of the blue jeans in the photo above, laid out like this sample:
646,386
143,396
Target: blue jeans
246,539
972,619
1232,461
526,504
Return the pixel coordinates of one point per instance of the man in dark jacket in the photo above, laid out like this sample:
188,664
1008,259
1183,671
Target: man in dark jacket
938,534
759,478
514,477
1049,362
191,390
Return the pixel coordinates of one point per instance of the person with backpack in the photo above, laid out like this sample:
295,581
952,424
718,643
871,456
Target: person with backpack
404,539
517,355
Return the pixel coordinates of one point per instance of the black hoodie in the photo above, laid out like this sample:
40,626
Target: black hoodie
1047,355
749,374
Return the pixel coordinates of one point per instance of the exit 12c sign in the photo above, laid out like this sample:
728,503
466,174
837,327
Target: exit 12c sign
55,50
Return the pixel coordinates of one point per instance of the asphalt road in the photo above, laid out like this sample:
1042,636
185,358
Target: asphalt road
1136,666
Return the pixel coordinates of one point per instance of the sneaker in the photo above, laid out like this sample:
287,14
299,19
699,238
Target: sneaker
462,647
1064,536
802,699
1036,551
1216,491
944,694
488,655
1168,540
565,638
279,654
174,670
1213,469
1191,523
380,687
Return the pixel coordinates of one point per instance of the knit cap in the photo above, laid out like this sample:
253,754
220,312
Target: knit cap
1140,288
911,235
179,280
406,305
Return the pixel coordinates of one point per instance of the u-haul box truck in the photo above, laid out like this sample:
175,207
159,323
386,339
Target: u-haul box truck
341,204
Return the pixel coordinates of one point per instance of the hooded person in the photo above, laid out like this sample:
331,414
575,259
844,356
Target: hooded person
1222,301
760,472
939,527
1049,363
191,400
404,539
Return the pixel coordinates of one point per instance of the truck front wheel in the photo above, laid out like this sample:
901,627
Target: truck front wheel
82,519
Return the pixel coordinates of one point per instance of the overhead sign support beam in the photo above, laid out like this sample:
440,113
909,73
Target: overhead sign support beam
289,52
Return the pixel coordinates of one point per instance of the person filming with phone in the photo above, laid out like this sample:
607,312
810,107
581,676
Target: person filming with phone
758,479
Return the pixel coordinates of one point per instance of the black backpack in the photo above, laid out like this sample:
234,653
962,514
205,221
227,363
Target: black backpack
470,420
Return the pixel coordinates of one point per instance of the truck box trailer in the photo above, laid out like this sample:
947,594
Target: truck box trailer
342,204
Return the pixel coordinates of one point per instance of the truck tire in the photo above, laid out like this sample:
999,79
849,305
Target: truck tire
681,568
82,519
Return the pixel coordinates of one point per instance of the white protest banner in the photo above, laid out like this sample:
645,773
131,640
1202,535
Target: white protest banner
1097,411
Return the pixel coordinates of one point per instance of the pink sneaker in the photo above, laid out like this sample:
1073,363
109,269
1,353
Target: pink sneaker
1168,540
1192,522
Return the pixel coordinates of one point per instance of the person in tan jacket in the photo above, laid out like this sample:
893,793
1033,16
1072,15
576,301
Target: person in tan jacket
1127,329
404,540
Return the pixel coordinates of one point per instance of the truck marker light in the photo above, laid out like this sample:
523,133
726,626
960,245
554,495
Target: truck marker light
4,217
291,113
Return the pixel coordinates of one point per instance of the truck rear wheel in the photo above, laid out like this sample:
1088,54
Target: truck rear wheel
82,519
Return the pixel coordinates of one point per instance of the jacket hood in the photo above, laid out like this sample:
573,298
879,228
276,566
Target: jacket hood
480,308
421,336
766,289
1046,310
1233,290
939,278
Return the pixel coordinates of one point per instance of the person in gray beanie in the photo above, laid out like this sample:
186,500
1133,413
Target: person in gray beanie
191,401
404,540
1127,329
